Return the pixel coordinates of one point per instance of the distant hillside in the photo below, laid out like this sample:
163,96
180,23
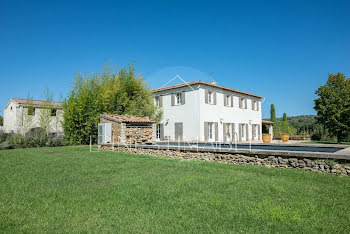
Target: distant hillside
302,122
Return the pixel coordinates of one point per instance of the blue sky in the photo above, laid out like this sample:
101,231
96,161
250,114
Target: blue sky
282,50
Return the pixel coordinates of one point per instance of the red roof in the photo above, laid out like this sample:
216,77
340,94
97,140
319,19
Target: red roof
127,118
204,83
37,103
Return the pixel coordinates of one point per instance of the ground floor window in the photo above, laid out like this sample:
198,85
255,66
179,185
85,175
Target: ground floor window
158,131
210,130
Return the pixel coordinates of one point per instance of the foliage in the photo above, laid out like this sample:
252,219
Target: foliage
284,117
35,137
108,92
333,106
70,190
1,121
45,112
273,113
320,134
283,127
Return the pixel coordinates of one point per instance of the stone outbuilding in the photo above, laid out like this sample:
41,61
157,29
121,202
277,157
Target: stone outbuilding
126,129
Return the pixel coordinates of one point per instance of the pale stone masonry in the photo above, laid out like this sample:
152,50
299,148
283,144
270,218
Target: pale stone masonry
129,129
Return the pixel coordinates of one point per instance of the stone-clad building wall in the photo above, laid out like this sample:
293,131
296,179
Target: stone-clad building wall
130,134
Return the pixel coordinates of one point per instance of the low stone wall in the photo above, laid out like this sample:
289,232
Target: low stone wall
318,165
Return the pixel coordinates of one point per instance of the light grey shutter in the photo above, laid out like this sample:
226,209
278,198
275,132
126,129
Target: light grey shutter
253,132
160,101
231,101
183,98
214,94
240,102
233,132
252,104
246,103
240,131
225,104
206,131
181,132
172,99
206,96
247,131
216,131
259,132
224,131
161,126
258,105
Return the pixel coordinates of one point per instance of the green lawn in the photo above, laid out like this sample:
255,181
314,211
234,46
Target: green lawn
69,189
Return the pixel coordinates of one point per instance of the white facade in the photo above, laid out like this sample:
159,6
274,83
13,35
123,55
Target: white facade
207,111
16,118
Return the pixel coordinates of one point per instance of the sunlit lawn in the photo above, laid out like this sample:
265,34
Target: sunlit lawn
69,189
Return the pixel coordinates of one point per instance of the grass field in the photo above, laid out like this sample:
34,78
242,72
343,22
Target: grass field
69,189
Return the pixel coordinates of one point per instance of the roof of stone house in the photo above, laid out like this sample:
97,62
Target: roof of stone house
266,122
37,103
127,118
207,84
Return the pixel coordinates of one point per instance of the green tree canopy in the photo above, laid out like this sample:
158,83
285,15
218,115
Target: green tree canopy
120,92
1,121
333,105
273,113
284,117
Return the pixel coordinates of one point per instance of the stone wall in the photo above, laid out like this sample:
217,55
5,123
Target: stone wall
139,135
129,135
317,165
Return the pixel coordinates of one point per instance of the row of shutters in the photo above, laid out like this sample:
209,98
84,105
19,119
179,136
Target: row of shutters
173,96
179,131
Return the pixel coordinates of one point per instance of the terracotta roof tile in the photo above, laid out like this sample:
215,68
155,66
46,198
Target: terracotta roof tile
204,83
127,118
38,103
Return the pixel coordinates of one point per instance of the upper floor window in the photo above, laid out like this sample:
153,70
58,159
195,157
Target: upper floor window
53,112
31,111
178,99
228,101
243,103
157,99
255,105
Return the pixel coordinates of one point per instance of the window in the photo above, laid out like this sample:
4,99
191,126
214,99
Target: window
210,130
158,131
228,100
254,105
242,129
31,111
178,99
157,99
243,103
210,97
53,112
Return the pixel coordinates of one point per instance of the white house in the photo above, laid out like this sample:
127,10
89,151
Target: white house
207,112
20,115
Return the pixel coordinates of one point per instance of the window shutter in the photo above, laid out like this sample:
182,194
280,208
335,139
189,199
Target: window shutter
216,131
258,106
253,132
214,94
240,102
259,132
173,99
252,104
206,96
247,131
245,103
206,131
231,101
161,126
240,131
224,132
233,132
225,104
160,101
183,98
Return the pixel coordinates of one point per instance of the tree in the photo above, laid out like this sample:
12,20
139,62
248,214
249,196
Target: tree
119,92
273,113
333,106
1,121
284,117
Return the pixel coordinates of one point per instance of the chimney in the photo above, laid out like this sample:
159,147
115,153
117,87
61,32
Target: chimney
213,82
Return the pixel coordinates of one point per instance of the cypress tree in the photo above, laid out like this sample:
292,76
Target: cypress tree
273,113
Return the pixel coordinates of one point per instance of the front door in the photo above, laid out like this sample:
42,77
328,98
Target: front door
178,131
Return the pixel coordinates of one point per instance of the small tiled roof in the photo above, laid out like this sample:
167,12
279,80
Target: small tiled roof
266,122
127,118
205,83
37,103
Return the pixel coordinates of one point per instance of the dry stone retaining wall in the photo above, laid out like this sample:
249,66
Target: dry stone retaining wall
318,165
